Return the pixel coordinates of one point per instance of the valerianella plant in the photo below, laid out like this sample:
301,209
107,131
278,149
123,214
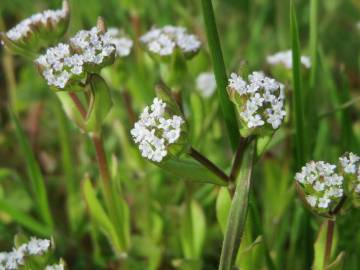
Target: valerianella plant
350,168
259,101
122,43
159,132
38,31
284,58
322,186
206,84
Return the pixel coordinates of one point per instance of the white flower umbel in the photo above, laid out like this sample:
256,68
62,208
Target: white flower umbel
155,132
285,58
350,164
163,41
45,18
64,62
16,258
322,186
123,44
206,84
260,99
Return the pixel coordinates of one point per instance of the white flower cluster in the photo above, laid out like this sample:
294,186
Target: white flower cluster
264,99
350,164
59,266
165,40
46,17
123,44
321,184
14,259
154,132
64,62
206,84
285,58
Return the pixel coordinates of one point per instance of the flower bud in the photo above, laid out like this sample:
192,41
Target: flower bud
350,168
163,42
38,31
323,187
259,101
159,132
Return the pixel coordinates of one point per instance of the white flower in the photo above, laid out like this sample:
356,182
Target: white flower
59,266
163,41
123,44
322,186
263,99
47,17
38,246
350,163
285,58
206,84
154,131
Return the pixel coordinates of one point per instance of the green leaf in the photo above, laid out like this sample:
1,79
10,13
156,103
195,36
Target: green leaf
338,263
226,105
238,211
192,230
100,103
223,203
297,106
191,171
99,216
313,41
24,219
37,181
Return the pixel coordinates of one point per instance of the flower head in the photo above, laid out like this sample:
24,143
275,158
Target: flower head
323,187
260,100
164,41
122,44
88,51
350,165
206,84
156,131
285,58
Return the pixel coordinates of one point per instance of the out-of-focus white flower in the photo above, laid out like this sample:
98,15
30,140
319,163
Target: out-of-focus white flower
261,99
285,58
350,164
155,132
123,44
47,17
64,62
16,258
323,187
163,41
59,266
206,84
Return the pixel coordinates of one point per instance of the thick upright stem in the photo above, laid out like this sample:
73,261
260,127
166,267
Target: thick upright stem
78,104
208,164
329,240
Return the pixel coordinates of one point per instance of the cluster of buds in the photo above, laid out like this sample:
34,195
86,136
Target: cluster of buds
259,101
157,131
285,58
87,52
38,31
166,40
206,84
16,258
325,185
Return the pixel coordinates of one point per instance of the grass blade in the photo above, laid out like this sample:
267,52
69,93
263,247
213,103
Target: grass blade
298,113
33,170
238,211
313,41
220,72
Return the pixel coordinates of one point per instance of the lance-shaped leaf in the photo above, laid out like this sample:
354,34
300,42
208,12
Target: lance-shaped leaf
238,211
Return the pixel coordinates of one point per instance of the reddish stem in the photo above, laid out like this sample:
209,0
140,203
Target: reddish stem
78,104
329,240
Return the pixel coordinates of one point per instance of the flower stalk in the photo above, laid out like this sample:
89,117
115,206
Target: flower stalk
329,241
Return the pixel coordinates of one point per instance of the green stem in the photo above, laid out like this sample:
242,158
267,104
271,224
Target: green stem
329,241
226,106
238,211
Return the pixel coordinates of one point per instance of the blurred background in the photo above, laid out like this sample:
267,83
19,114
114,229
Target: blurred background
249,31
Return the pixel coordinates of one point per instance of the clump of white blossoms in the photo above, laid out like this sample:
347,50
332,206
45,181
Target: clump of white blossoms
123,44
16,258
206,84
164,41
285,58
47,18
156,131
259,100
88,51
350,165
322,186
